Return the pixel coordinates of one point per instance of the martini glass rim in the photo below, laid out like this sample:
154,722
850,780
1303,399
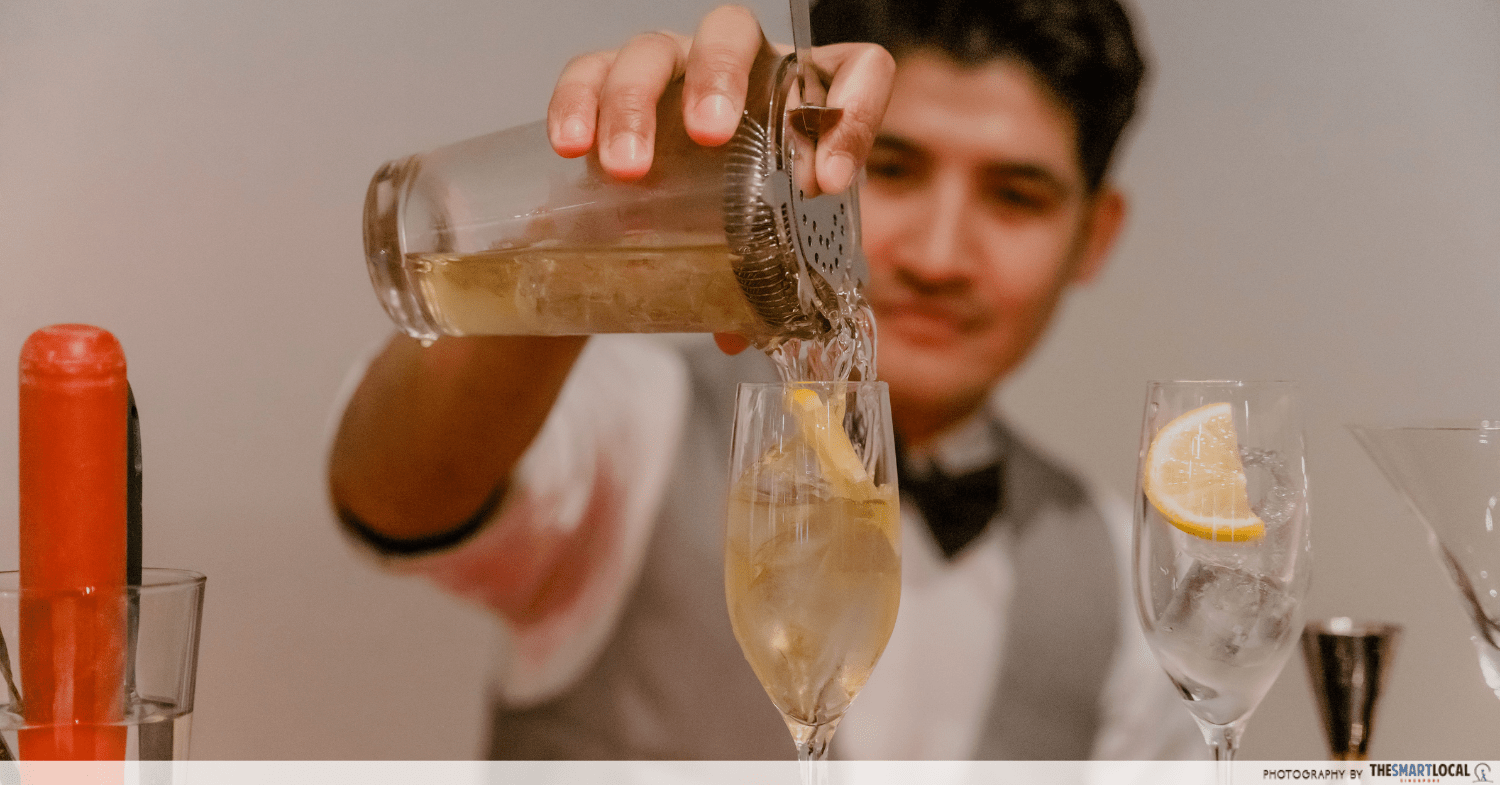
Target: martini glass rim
1467,425
1224,383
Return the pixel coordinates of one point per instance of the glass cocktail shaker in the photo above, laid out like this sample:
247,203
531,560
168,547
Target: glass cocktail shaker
498,235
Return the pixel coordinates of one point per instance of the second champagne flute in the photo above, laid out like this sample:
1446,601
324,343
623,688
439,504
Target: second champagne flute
1221,546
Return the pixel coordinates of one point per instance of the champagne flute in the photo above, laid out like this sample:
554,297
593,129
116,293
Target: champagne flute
1221,545
812,554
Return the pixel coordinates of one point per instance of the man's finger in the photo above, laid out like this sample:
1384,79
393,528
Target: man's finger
863,75
718,73
574,108
627,104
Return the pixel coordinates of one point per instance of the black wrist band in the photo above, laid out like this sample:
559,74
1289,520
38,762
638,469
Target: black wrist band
396,546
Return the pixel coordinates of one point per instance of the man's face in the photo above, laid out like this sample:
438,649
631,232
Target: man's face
975,219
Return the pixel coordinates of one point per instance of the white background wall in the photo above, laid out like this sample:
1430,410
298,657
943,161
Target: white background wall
1317,196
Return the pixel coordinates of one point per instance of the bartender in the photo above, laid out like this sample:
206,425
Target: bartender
575,487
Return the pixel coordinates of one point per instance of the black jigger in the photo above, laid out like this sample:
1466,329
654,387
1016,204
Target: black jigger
1347,662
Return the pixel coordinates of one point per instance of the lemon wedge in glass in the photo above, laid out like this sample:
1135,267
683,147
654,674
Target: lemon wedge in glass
822,426
1194,477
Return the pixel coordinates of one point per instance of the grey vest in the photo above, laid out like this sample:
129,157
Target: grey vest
671,683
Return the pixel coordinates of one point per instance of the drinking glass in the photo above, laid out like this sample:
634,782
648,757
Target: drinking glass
1221,545
1450,477
131,699
812,547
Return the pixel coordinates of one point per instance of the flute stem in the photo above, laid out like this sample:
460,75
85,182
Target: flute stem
812,751
1225,741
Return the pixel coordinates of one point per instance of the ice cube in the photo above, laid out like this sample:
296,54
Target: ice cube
1235,616
785,475
1273,496
819,595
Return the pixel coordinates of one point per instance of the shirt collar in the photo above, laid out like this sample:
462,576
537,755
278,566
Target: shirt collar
965,446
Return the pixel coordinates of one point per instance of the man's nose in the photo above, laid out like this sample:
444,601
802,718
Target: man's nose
935,252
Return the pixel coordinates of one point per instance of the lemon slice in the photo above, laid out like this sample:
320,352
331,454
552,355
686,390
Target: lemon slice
823,427
1194,477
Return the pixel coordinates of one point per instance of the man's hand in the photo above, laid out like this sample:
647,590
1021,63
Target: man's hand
609,99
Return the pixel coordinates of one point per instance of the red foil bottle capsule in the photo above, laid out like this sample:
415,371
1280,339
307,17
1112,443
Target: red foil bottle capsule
73,410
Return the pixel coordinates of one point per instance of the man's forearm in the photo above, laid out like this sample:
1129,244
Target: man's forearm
430,434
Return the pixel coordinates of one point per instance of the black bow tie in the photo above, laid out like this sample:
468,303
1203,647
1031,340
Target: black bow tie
956,508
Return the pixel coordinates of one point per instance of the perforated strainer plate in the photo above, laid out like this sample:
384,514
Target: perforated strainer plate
820,230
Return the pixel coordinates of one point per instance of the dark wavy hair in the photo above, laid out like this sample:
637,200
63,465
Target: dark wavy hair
1082,50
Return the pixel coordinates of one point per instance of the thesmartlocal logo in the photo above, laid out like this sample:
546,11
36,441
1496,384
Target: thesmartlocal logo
1429,772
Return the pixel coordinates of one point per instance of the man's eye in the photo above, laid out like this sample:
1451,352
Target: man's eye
886,169
1031,199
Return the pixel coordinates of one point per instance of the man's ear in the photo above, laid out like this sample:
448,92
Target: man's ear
1106,216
